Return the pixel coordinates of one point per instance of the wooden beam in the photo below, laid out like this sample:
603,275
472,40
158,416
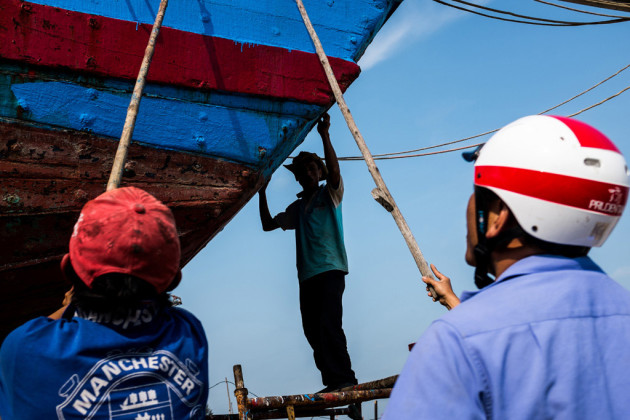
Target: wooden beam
622,5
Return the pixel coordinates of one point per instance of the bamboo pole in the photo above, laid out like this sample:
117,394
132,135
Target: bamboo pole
227,388
132,111
330,399
241,394
381,193
378,384
282,414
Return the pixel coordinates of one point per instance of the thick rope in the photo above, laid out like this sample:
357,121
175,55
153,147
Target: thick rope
406,153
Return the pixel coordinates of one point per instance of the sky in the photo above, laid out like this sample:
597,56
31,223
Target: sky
432,75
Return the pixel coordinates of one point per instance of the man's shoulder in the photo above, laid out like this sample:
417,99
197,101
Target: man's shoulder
537,293
185,316
27,338
35,327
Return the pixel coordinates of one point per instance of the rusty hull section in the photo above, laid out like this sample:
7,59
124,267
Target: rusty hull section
47,175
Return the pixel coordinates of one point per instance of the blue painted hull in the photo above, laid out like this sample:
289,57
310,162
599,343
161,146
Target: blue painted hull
235,86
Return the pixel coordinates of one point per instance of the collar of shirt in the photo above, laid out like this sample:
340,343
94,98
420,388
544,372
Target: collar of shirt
537,264
146,312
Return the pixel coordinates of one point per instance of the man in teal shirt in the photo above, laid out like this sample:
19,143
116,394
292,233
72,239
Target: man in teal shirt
321,257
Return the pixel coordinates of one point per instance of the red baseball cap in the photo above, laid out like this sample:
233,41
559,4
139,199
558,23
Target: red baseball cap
127,231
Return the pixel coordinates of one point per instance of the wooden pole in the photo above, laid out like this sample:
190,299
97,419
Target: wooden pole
241,394
134,104
331,399
227,388
381,193
377,384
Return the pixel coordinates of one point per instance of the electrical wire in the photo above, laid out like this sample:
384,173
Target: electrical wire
217,384
533,20
577,10
490,9
231,383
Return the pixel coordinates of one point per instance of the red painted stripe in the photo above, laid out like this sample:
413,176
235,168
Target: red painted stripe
53,37
599,197
587,135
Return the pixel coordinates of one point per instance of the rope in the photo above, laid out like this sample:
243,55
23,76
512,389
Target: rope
488,132
384,156
601,102
516,14
537,21
578,10
583,92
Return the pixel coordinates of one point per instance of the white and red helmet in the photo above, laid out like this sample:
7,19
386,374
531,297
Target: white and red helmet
564,181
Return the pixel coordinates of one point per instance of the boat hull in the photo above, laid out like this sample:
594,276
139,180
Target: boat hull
234,87
47,175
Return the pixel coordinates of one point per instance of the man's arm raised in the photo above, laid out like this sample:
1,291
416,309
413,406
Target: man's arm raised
332,163
268,223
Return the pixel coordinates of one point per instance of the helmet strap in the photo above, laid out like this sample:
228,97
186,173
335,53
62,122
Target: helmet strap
481,250
482,261
485,246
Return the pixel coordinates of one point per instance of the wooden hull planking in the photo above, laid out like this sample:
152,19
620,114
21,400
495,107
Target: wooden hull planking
233,89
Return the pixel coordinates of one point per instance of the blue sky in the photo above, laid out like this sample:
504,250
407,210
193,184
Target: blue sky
432,75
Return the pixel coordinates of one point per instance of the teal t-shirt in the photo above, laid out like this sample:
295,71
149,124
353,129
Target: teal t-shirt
318,232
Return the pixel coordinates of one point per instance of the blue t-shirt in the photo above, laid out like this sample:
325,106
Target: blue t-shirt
548,340
151,365
318,228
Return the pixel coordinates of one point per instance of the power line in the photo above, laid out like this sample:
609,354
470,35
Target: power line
490,9
578,10
531,21
614,4
232,383
383,155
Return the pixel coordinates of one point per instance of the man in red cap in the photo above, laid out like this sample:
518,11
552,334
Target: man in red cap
118,349
321,257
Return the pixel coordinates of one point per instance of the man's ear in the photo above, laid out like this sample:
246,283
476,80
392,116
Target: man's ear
498,219
68,271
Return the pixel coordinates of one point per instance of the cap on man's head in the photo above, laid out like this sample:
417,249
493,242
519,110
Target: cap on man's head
302,159
126,231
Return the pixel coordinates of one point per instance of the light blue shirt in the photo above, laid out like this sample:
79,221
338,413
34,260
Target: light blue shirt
318,232
550,339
